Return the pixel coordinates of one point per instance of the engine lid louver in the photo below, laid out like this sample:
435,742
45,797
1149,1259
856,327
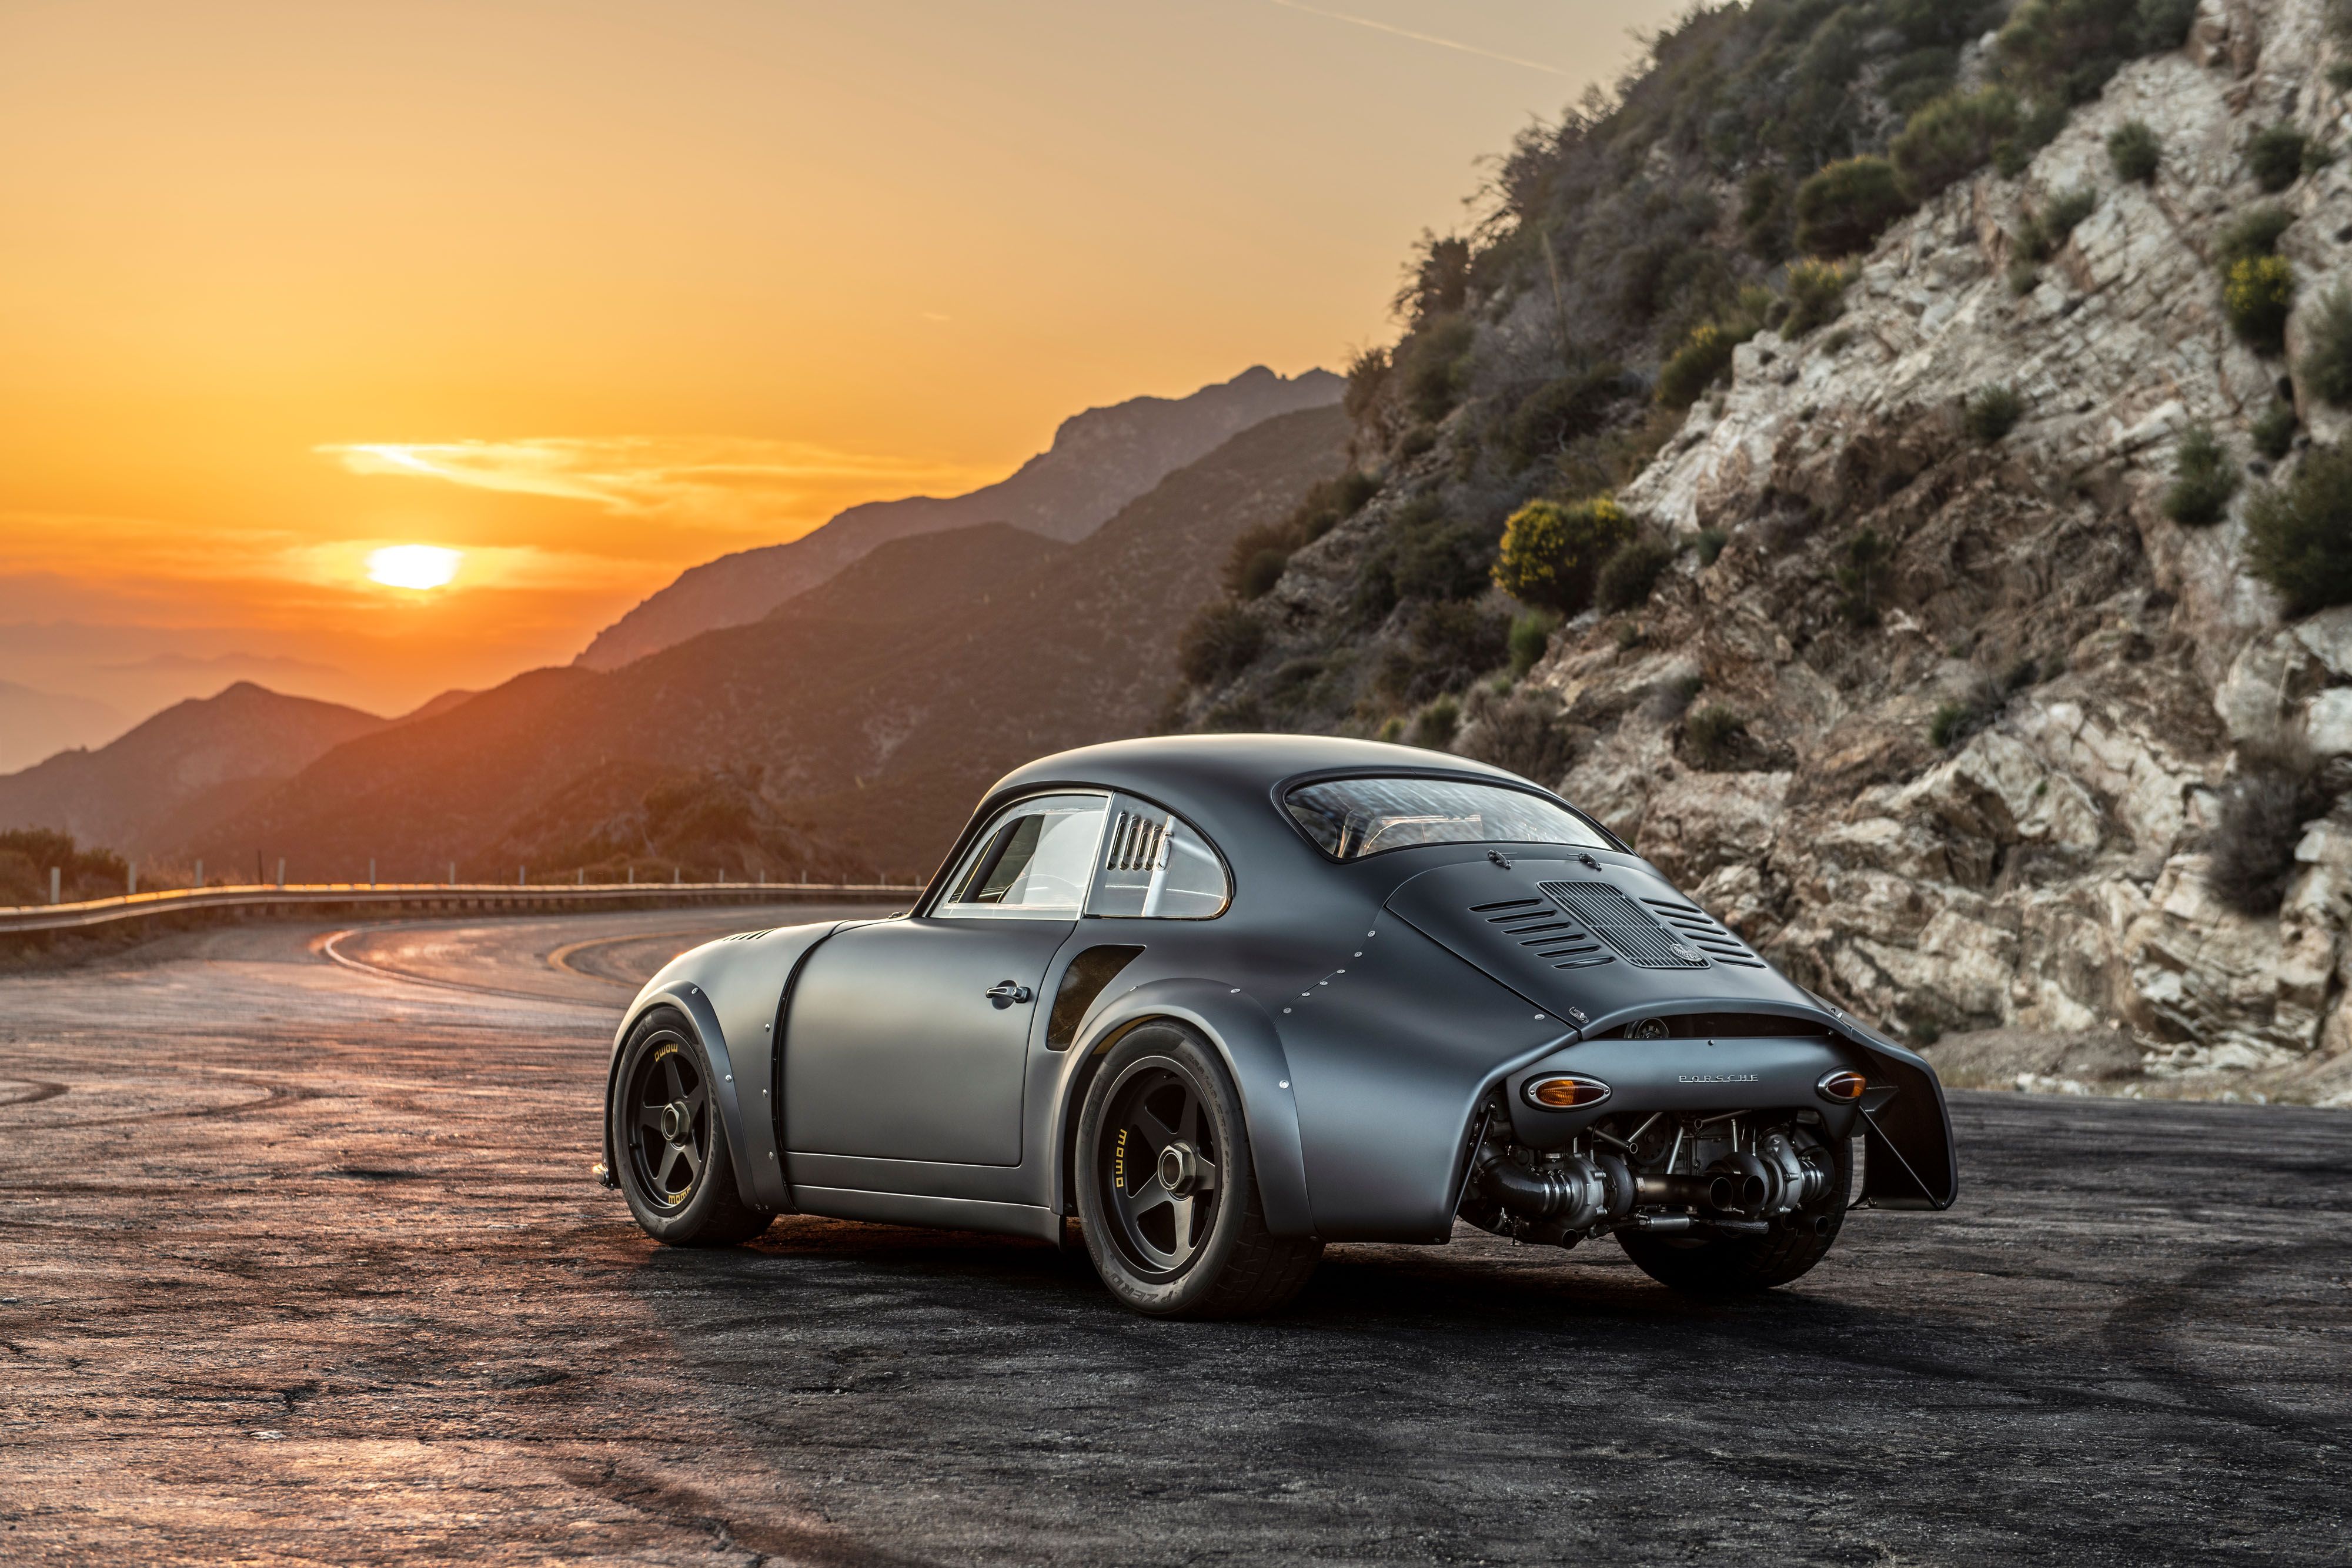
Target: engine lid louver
1704,932
1640,937
1536,925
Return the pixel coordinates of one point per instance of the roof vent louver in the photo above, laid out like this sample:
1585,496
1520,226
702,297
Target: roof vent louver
1642,938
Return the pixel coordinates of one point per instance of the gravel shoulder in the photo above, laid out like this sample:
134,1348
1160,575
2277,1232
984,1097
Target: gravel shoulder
301,1264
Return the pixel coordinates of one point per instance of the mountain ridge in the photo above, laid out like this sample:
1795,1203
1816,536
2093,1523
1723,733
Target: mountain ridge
1099,460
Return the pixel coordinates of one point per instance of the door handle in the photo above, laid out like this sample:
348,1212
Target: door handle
1004,993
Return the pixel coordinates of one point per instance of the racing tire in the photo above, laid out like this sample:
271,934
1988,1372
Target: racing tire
1167,1194
1742,1265
668,1141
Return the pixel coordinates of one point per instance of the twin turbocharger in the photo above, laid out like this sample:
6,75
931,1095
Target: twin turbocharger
1574,1192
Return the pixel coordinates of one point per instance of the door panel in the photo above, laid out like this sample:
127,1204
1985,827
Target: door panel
894,1048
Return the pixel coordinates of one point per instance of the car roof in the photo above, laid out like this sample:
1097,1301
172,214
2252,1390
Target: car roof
1222,762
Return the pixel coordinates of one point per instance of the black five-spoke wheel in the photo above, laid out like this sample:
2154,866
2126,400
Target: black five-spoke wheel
671,1137
1162,1178
1168,1195
668,1139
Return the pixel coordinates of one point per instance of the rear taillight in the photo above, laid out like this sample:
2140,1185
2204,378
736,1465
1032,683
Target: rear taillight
1845,1086
1565,1092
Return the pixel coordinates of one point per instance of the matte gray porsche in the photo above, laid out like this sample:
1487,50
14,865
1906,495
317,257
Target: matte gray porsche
1373,1014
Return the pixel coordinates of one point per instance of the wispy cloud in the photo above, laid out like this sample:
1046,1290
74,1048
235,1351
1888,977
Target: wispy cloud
769,487
1454,44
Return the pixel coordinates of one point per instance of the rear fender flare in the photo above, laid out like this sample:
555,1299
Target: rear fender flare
1242,1034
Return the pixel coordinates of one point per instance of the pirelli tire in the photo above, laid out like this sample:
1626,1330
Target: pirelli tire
1166,1192
1742,1265
668,1140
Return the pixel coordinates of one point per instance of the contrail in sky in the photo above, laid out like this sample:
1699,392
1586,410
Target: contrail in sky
1420,38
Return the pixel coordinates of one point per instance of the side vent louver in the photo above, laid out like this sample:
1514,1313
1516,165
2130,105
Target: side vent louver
1704,932
1642,938
1537,925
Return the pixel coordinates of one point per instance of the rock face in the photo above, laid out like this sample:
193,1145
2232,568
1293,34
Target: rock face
2038,859
1100,460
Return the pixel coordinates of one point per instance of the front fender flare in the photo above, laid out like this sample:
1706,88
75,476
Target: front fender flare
1245,1037
688,998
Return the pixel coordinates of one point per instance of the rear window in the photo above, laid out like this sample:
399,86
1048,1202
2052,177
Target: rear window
1351,817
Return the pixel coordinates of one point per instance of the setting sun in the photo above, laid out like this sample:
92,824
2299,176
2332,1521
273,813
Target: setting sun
412,566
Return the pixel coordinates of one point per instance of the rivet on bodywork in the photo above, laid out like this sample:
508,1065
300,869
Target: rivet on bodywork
1283,1084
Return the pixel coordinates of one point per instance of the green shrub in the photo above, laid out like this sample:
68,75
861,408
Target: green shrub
1695,365
2250,848
2258,296
1530,636
1992,412
1221,642
1261,572
2066,49
1456,642
1254,563
2327,363
1861,576
1951,139
2256,234
2025,276
2275,154
1955,722
1552,551
1631,572
1421,438
1764,215
1433,364
27,855
1710,545
1713,735
2299,534
2014,153
1844,207
1561,411
1367,380
2046,233
1434,558
2163,24
2204,477
1436,725
2275,430
1816,297
2136,150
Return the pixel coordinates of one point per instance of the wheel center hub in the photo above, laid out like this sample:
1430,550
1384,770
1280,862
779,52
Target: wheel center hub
1180,1168
674,1122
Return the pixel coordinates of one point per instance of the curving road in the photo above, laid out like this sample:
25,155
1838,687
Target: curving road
301,1264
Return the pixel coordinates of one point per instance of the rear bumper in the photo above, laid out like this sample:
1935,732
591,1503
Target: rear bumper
1709,1075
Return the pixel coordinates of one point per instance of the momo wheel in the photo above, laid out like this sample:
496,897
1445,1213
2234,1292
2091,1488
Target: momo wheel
669,1140
1166,1191
1736,1265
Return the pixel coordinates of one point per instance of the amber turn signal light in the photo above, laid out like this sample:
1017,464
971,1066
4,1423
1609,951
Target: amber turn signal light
1844,1086
1566,1092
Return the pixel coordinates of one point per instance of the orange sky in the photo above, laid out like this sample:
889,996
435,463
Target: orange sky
593,291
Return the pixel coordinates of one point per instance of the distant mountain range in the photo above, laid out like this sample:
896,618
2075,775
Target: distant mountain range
170,779
1100,460
849,731
34,724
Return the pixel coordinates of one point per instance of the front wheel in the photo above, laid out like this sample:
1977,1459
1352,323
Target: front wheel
1166,1191
1737,1265
669,1142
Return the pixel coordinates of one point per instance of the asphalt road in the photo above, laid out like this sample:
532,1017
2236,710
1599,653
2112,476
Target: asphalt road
301,1263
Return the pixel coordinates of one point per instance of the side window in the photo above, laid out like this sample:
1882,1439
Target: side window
1156,865
1032,862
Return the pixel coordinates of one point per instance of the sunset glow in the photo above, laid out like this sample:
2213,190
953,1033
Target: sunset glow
592,295
414,566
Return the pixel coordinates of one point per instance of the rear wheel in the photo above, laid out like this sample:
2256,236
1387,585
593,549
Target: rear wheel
669,1142
1736,1265
1166,1190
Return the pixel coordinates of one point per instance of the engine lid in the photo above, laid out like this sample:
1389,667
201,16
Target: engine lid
1589,936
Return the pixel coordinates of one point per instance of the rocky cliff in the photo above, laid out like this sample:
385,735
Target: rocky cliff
1935,701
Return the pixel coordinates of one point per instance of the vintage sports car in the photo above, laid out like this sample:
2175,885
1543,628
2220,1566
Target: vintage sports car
1225,998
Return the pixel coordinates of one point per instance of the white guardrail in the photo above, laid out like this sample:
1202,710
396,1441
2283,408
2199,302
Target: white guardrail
267,901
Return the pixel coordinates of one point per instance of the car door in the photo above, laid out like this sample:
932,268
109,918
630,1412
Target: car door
909,1039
